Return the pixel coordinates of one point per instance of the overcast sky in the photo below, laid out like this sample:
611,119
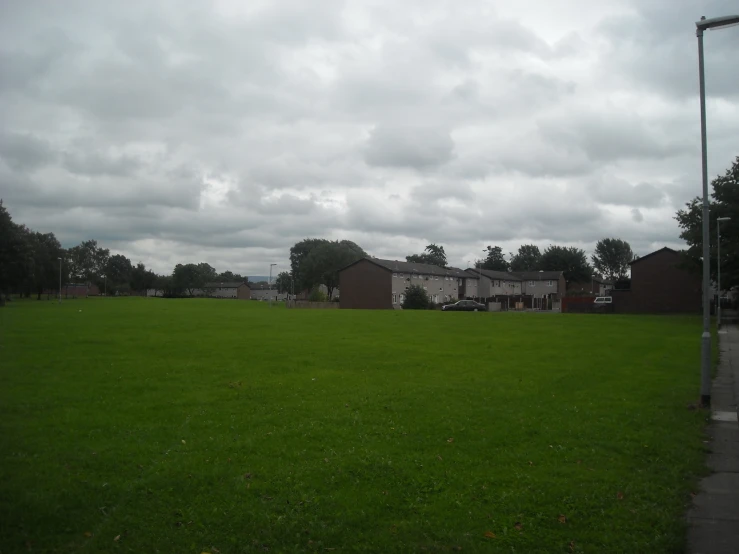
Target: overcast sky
226,131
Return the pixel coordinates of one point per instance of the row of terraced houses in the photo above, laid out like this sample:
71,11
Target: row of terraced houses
372,283
660,283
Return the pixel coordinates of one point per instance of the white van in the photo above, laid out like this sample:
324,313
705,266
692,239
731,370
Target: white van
600,300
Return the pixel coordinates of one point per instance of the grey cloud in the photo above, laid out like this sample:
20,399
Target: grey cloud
620,193
656,48
94,163
636,215
408,146
607,137
25,152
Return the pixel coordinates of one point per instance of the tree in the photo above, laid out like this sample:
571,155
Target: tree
117,272
433,254
15,253
298,253
283,283
415,298
724,203
612,257
528,258
191,277
494,260
142,279
570,260
45,267
321,266
229,277
87,261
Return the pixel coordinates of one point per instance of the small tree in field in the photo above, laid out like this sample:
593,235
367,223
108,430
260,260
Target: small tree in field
415,298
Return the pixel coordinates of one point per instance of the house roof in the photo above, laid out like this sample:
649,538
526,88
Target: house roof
411,267
228,285
602,281
499,275
665,249
538,275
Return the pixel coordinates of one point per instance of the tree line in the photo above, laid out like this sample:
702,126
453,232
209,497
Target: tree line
34,263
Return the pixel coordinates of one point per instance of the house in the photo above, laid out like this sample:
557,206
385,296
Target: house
237,290
595,285
528,289
660,283
372,283
265,292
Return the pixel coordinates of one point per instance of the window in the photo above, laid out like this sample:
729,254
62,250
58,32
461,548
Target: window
395,298
549,284
395,275
532,284
402,298
400,275
437,277
497,283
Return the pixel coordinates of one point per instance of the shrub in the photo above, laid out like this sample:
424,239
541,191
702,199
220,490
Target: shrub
317,295
415,298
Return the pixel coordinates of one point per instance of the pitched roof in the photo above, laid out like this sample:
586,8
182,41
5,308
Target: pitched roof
412,267
228,285
538,275
665,249
499,275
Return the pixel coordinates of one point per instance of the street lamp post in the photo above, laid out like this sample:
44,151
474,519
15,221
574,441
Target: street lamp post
702,25
60,280
270,281
718,257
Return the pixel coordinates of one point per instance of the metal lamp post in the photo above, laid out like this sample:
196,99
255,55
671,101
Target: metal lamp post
718,257
270,281
60,280
702,25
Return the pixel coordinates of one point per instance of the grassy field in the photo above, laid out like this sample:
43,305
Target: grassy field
189,426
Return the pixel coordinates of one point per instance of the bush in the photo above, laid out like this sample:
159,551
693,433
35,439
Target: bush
415,298
317,295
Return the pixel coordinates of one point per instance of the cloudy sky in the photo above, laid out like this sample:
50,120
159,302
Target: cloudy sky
226,131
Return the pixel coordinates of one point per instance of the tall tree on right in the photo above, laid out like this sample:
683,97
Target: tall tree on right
725,203
612,258
568,259
528,258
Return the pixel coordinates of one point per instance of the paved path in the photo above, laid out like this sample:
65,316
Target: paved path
714,518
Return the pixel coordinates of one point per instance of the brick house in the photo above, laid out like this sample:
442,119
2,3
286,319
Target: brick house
372,283
660,284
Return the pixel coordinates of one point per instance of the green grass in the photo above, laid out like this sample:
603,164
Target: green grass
204,425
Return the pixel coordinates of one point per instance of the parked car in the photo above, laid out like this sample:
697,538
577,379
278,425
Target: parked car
464,306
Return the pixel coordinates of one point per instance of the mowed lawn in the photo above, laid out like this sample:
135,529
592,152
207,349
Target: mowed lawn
189,426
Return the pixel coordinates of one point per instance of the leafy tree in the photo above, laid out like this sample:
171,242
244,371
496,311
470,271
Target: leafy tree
142,279
87,261
612,257
117,272
528,258
229,277
321,266
570,260
46,251
16,255
298,253
725,203
415,298
494,260
283,282
190,277
433,254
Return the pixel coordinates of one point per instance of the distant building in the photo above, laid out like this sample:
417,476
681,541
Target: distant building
237,290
